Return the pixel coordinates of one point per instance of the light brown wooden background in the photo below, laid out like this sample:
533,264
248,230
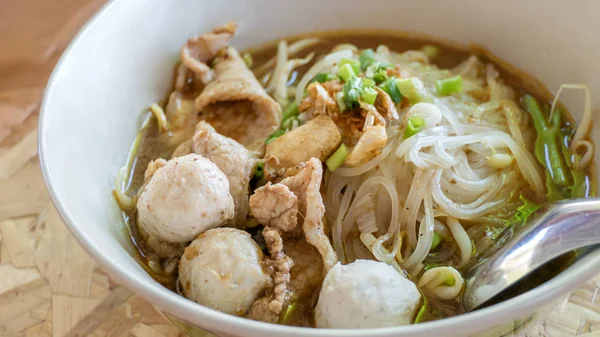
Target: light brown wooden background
48,284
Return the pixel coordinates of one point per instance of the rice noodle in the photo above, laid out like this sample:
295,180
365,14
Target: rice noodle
439,178
292,49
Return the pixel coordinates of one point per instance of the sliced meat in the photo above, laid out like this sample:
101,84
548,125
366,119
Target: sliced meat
282,265
236,105
201,49
305,185
181,114
318,102
233,159
385,105
276,206
318,138
369,145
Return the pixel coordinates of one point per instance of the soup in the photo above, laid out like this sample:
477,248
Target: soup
342,180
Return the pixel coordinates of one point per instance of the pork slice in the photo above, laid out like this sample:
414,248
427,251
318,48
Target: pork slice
236,105
233,159
305,185
275,205
198,50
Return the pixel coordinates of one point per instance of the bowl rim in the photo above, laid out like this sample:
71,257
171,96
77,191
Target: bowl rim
213,320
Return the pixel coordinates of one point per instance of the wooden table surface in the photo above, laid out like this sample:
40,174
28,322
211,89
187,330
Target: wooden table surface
48,284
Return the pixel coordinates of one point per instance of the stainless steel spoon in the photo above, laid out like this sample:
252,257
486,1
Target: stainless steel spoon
555,230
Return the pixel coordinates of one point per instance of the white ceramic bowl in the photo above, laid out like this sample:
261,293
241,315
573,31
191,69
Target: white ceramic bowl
122,61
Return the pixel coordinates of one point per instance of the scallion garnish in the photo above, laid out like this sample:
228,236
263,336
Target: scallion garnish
368,95
352,89
323,77
411,88
353,63
337,158
389,86
274,136
449,85
290,111
339,99
259,170
414,125
346,72
366,58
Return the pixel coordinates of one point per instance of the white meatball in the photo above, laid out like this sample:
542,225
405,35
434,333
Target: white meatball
222,270
184,198
365,294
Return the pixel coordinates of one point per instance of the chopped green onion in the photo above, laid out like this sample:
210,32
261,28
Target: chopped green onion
248,60
286,124
339,99
352,96
367,82
353,63
369,95
259,170
337,158
366,58
411,88
380,76
430,51
449,85
415,125
437,239
389,86
290,111
323,77
274,135
346,72
352,90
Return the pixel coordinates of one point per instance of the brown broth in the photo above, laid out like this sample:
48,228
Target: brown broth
153,145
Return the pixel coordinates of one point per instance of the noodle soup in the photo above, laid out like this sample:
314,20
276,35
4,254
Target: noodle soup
343,170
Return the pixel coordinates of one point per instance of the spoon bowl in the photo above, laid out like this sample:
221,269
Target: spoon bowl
556,229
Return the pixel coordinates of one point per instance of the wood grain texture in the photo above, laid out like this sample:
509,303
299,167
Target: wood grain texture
48,285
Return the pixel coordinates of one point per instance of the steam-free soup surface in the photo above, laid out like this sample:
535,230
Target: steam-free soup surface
453,204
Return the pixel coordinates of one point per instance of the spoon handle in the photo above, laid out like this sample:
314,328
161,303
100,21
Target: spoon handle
557,229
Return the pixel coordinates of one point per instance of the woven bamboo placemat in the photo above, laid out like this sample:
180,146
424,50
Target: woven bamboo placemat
48,285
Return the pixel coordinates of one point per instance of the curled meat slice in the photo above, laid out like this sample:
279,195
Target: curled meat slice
318,138
275,205
201,49
369,145
305,185
233,159
236,105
